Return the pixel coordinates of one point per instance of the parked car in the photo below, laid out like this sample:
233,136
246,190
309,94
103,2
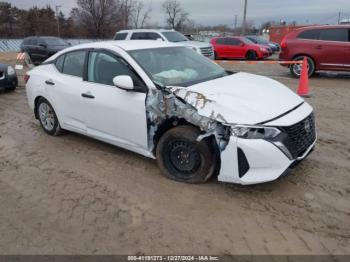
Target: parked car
327,48
8,77
41,48
238,48
167,36
262,41
168,102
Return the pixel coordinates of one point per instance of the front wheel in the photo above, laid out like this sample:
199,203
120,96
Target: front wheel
251,55
182,158
47,118
296,69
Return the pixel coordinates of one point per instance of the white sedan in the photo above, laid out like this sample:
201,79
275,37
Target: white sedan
169,103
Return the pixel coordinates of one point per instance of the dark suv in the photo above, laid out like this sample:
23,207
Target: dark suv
40,48
327,48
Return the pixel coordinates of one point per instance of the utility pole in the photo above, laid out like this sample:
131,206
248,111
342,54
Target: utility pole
58,20
244,17
339,17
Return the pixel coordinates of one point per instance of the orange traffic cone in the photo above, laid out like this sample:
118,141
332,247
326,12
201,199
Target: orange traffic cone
303,89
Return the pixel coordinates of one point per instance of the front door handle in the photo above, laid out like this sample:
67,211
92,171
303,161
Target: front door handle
87,95
319,47
49,82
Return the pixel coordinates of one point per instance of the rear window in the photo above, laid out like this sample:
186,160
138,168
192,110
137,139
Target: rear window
310,34
120,36
337,34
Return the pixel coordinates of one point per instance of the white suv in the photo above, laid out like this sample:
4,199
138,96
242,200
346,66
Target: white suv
173,36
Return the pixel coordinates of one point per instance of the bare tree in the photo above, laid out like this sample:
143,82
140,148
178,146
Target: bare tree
176,15
97,16
139,15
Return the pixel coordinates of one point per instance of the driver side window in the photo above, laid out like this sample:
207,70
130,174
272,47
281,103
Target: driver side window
103,67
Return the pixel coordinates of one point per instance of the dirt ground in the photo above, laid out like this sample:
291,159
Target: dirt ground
74,195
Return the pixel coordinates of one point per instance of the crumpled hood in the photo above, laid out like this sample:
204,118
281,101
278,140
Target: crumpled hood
241,98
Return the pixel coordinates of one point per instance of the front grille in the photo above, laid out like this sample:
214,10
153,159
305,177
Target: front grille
207,51
300,136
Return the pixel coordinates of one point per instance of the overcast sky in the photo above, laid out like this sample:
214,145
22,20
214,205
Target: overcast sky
210,12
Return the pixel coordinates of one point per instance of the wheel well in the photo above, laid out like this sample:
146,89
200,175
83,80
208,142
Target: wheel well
35,106
165,126
306,56
251,51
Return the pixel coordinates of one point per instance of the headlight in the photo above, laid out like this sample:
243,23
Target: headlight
255,132
10,71
262,49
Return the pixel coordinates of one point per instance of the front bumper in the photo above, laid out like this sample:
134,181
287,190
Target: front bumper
254,161
8,82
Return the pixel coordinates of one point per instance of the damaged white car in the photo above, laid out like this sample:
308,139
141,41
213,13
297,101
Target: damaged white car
169,103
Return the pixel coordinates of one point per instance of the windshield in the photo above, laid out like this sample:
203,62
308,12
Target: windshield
247,41
177,66
174,37
259,40
54,41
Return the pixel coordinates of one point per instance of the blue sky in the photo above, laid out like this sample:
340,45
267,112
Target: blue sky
210,12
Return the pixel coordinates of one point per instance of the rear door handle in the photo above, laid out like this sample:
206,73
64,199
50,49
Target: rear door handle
49,82
87,95
319,47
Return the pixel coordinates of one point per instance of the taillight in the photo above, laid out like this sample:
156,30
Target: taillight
26,78
284,42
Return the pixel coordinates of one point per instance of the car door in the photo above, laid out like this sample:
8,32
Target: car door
220,47
42,50
235,49
32,48
64,86
347,52
114,115
330,50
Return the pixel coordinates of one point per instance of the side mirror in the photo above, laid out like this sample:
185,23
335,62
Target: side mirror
43,45
70,44
242,44
124,82
160,39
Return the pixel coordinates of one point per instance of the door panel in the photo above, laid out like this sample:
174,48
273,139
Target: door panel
116,115
65,87
329,50
112,114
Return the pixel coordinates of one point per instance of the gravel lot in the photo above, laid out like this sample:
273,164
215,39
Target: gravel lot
74,195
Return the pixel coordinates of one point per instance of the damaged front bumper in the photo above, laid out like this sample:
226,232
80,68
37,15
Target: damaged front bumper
248,162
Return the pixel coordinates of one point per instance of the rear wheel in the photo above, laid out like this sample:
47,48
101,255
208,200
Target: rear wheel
251,55
297,68
47,118
182,158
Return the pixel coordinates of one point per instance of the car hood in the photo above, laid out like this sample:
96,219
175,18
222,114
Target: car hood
195,44
241,98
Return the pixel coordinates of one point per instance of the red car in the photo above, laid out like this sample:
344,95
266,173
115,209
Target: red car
239,48
327,48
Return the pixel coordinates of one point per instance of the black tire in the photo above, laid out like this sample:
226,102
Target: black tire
295,70
12,88
251,55
182,158
216,56
53,128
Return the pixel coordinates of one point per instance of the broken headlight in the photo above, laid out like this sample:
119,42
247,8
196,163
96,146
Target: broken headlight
255,132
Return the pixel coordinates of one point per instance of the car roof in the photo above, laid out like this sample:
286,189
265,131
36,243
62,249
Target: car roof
324,27
127,45
145,30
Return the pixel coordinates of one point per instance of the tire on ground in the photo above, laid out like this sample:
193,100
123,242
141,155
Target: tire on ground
182,158
295,69
56,130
